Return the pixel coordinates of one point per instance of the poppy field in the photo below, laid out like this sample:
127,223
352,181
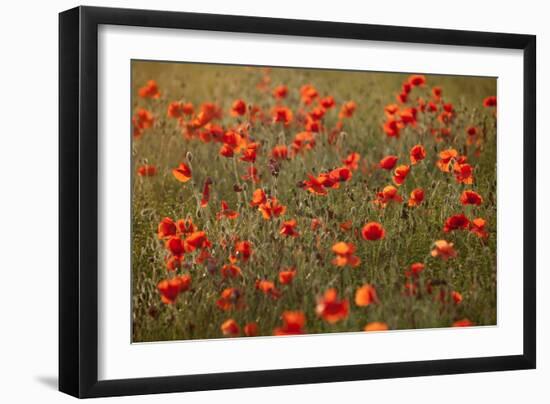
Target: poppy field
283,201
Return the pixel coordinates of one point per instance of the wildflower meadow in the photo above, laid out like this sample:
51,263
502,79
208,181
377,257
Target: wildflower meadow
284,201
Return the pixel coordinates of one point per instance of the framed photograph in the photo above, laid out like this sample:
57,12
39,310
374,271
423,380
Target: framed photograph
251,201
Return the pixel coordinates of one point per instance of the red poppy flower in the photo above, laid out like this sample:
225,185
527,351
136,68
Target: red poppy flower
226,212
250,152
170,289
230,328
206,192
464,173
417,154
243,250
388,194
392,127
258,197
272,208
471,198
402,97
279,152
175,245
456,222
182,173
352,161
436,92
230,298
238,108
250,329
348,109
149,90
388,162
391,109
142,120
303,141
196,240
147,170
226,151
463,323
251,174
415,270
330,308
293,323
166,228
174,262
444,250
345,254
408,116
282,115
327,102
400,174
417,80
280,92
268,288
417,196
288,228
490,101
316,223
286,276
308,93
471,131
366,295
456,296
376,326
186,226
373,231
231,271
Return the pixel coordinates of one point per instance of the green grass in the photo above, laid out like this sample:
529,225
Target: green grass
410,232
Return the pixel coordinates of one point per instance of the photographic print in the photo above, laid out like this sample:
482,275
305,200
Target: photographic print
270,201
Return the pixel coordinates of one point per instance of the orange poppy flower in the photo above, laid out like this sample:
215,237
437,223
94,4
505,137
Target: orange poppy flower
143,119
147,170
352,161
280,92
391,109
238,108
231,271
268,288
373,231
327,102
166,228
288,228
477,226
443,249
347,109
279,152
415,270
170,289
230,328
456,296
315,185
175,245
182,173
445,159
196,240
456,222
226,212
388,162
388,194
293,323
345,255
330,308
282,115
230,298
308,93
286,276
400,174
250,329
417,196
408,116
471,198
463,323
464,173
206,192
149,90
366,295
243,250
417,154
490,101
258,197
376,326
272,208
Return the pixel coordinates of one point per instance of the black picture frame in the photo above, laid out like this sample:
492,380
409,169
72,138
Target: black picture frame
78,200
